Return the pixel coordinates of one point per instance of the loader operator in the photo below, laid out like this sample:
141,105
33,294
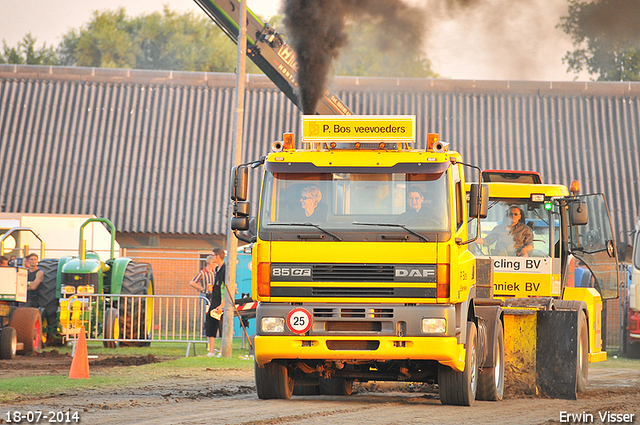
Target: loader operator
511,237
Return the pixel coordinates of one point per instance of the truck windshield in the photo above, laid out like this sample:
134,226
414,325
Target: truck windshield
513,223
340,203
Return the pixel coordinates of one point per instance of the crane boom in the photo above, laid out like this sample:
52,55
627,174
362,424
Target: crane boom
267,49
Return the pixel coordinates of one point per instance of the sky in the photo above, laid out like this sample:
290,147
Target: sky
488,40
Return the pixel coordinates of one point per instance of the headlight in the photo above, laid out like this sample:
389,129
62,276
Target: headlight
68,289
272,324
88,289
434,326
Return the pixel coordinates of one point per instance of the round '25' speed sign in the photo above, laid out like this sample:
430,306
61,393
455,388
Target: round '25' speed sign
299,320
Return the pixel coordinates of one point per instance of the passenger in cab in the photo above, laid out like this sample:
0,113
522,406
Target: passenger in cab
511,237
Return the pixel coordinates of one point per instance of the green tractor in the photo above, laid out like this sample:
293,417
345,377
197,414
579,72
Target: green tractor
125,320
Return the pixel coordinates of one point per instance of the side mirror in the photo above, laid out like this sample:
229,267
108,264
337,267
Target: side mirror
578,213
478,200
239,183
240,223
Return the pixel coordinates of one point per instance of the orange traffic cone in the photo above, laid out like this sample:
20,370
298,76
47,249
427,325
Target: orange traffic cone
80,362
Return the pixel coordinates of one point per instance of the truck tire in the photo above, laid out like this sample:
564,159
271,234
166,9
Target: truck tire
28,325
111,328
633,350
491,379
336,386
273,381
134,315
582,374
459,388
8,342
306,390
48,303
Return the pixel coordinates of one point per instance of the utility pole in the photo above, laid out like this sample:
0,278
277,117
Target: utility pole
236,155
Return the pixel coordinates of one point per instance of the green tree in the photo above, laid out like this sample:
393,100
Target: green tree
27,53
160,40
606,36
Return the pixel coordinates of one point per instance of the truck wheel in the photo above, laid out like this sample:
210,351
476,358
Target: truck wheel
583,354
336,386
28,325
306,390
111,328
459,388
8,343
491,379
633,350
136,315
49,303
273,381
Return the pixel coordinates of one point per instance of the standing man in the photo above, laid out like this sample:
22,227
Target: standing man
210,280
34,279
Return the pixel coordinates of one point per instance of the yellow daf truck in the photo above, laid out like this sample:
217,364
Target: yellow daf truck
362,266
554,261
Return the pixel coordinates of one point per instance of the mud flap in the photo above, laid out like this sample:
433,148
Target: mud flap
556,353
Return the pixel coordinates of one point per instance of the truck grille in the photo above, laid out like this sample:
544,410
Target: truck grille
321,291
353,273
352,312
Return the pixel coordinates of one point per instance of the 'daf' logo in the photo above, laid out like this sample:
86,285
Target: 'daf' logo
415,273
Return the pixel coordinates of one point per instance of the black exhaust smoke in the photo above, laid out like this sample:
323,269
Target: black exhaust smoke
317,31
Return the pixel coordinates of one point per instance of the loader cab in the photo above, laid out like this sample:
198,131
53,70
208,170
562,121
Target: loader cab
571,238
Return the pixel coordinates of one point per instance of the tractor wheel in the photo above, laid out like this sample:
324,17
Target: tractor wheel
491,379
8,342
459,388
336,386
136,314
583,354
111,328
48,303
28,325
273,381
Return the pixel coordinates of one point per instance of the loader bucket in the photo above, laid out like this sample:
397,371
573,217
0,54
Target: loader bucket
520,351
540,352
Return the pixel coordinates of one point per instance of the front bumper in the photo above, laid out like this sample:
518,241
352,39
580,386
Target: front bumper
445,350
363,332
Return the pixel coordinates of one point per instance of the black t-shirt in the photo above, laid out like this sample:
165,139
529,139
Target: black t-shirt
216,295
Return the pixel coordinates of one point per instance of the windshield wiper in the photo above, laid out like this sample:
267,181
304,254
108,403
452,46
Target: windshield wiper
308,224
402,226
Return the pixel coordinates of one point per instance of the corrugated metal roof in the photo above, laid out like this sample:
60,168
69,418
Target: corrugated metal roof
151,149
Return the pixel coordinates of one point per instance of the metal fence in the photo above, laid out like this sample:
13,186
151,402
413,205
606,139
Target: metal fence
135,319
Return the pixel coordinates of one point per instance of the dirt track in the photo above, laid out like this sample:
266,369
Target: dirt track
228,396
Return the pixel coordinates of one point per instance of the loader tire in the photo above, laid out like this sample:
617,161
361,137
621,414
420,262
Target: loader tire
28,325
48,302
273,381
459,388
491,379
135,313
583,354
8,343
